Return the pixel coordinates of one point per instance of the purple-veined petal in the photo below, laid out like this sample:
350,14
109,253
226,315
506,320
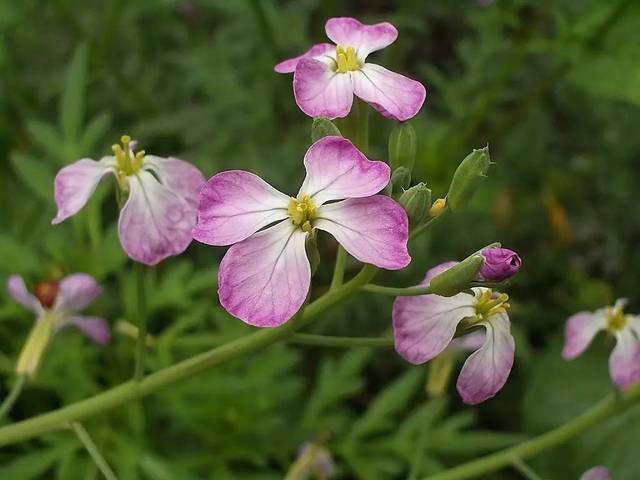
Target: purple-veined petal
349,32
155,222
624,362
487,369
17,290
183,178
75,184
95,329
596,473
336,170
393,95
316,52
470,342
76,292
320,91
264,279
236,204
580,330
373,229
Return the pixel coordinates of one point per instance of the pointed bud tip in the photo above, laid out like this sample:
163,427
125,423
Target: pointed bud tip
499,264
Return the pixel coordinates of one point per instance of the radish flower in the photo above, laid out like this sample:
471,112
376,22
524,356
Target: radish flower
423,327
56,306
624,361
596,473
265,276
160,211
327,76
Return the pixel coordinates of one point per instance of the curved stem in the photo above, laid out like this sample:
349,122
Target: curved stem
396,292
93,450
141,314
611,405
166,377
525,470
331,341
14,393
338,270
425,226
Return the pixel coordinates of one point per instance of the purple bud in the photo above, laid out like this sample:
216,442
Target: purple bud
499,264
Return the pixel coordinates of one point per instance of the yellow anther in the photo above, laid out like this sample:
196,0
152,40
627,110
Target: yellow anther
352,61
346,60
342,63
302,212
616,319
438,207
128,164
488,306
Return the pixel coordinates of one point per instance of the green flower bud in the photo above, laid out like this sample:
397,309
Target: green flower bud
323,127
471,171
402,147
458,277
416,201
400,180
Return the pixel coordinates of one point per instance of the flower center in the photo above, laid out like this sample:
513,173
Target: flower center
616,319
128,163
489,305
346,59
302,212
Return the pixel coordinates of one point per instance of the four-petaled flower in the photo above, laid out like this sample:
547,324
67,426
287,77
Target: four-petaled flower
327,76
56,306
264,278
624,361
160,211
423,326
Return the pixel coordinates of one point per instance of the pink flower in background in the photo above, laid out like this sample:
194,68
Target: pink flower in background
160,212
423,326
596,473
327,76
624,361
264,278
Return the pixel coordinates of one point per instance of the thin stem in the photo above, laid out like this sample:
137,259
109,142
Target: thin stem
93,450
396,292
99,404
141,314
525,470
338,271
603,410
331,341
425,226
14,393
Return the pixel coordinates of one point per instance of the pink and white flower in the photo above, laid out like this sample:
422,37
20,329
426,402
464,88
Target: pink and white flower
596,473
424,325
265,276
160,211
56,305
327,76
624,361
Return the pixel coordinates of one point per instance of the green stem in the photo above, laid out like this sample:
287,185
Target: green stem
99,404
14,393
93,450
525,470
608,407
425,226
338,271
141,314
331,341
396,292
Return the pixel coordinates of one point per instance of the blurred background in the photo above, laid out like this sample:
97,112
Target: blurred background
552,86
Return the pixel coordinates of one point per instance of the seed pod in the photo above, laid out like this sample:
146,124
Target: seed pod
402,147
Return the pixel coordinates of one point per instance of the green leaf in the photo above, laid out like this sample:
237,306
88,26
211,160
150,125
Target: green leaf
49,139
95,131
16,257
73,97
35,174
34,465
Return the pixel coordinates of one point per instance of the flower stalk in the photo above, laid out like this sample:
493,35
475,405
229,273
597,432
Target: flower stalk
93,450
141,314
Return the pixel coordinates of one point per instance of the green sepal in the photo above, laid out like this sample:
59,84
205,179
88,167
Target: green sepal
457,278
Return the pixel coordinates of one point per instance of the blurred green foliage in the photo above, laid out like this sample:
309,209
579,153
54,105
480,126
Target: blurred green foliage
552,86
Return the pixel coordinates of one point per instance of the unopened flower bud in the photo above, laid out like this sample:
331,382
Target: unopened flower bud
466,180
457,278
400,180
402,147
313,254
438,207
323,127
499,264
416,202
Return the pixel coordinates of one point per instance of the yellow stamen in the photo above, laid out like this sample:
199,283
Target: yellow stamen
302,212
346,60
128,164
487,306
438,207
616,318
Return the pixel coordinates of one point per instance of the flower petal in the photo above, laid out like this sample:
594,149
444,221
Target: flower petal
393,95
470,342
236,204
486,370
264,279
96,329
373,229
17,290
424,325
336,169
624,362
76,292
596,473
155,222
183,178
320,91
349,32
580,330
75,184
316,52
